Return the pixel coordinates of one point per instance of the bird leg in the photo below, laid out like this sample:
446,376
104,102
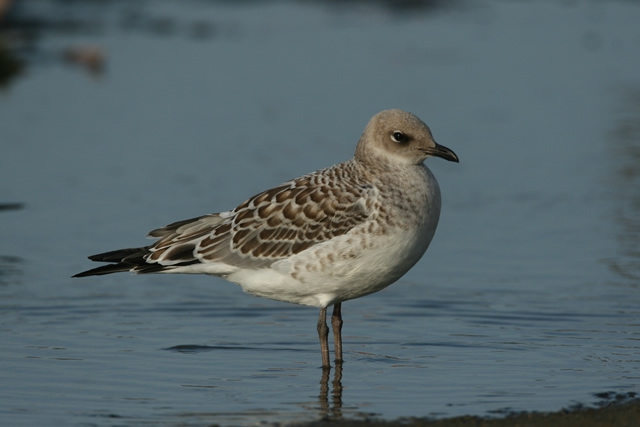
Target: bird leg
323,334
336,323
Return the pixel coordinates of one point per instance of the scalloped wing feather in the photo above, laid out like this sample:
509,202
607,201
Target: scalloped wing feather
270,226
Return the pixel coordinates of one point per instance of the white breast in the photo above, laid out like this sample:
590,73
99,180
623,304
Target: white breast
367,259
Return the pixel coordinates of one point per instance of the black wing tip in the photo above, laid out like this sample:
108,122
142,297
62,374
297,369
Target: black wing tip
105,269
83,274
122,259
120,255
133,259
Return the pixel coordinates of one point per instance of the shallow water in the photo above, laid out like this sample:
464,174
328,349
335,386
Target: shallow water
528,298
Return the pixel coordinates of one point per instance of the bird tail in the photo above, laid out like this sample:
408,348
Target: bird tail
132,259
176,248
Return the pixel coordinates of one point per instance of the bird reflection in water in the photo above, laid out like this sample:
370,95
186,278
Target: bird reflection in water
333,410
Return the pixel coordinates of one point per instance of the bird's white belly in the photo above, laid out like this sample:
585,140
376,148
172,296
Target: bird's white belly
344,268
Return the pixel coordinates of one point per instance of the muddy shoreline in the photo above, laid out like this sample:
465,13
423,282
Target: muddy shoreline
625,414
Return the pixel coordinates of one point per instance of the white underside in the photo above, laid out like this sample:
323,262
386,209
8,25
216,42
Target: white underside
308,278
346,278
349,266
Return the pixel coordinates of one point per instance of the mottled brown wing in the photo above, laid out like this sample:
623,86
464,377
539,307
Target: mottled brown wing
178,241
285,221
270,226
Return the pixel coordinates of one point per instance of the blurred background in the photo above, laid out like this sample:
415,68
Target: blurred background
117,117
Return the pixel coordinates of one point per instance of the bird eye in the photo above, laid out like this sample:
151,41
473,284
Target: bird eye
398,136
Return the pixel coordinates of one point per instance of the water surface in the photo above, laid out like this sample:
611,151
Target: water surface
527,300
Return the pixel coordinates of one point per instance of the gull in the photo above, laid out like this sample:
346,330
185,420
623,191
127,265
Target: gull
318,240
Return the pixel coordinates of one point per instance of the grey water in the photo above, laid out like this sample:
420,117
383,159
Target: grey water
528,298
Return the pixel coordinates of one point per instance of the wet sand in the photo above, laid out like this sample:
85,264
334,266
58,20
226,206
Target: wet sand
613,414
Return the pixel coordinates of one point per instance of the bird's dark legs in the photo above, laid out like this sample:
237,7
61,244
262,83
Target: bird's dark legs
336,324
323,334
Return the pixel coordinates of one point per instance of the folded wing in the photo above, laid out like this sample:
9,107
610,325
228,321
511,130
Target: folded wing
270,226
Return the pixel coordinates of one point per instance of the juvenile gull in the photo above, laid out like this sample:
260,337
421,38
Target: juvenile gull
327,237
